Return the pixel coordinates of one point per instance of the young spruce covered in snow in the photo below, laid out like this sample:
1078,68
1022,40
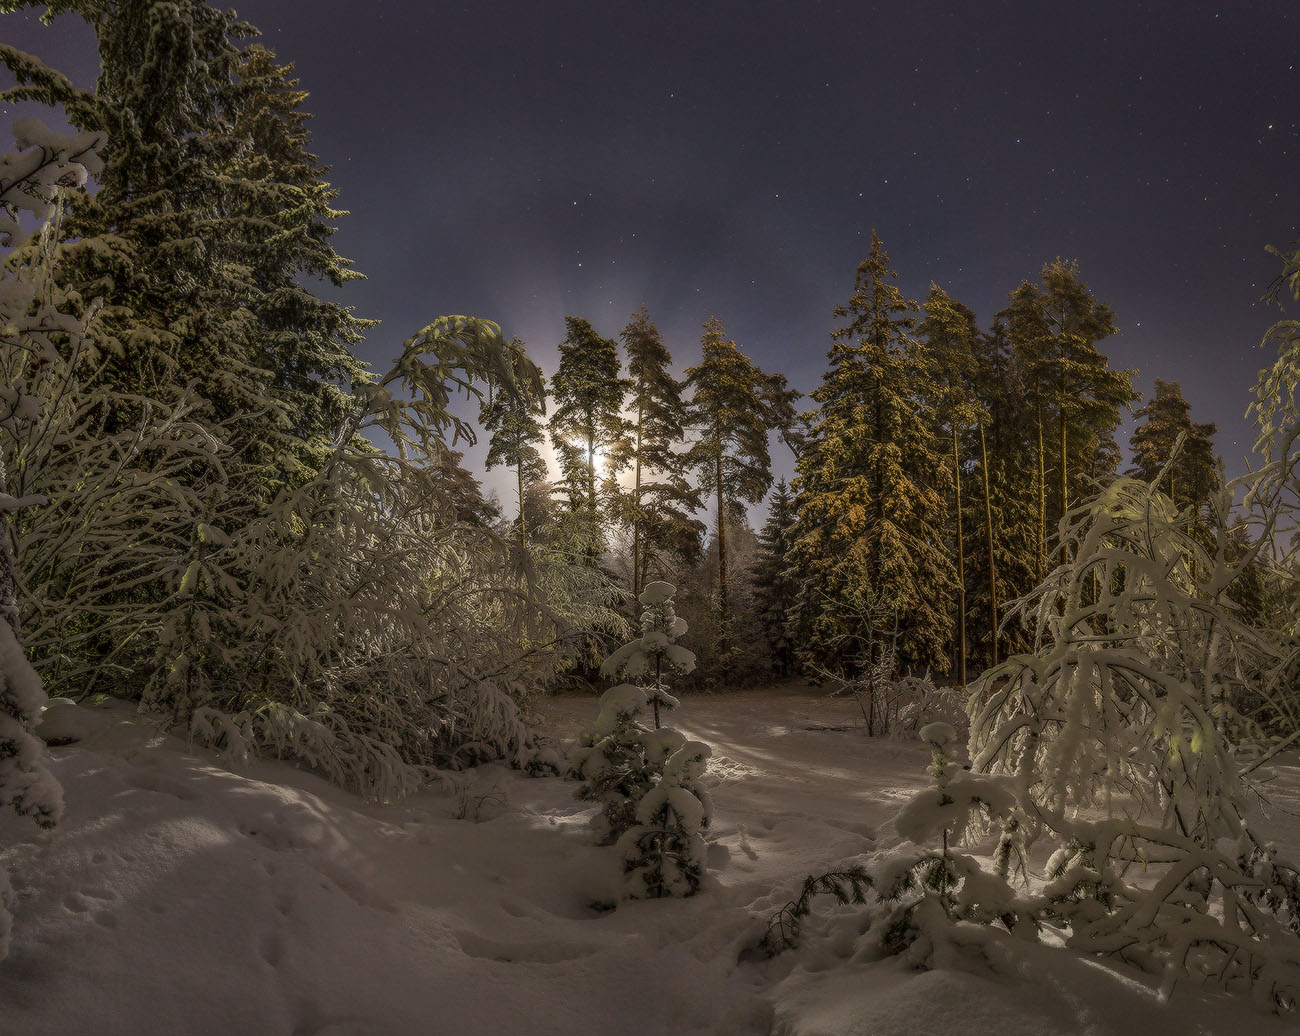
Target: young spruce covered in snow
648,780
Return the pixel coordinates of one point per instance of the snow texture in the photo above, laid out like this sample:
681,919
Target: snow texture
179,897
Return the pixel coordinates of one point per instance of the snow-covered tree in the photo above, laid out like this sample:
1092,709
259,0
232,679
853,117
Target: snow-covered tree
925,890
383,635
647,780
869,493
920,889
664,853
619,758
1143,680
34,314
652,655
610,760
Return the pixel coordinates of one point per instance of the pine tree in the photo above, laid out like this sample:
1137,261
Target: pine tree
950,336
733,406
1054,329
157,242
1004,558
1194,474
665,853
512,420
587,427
775,587
660,501
871,512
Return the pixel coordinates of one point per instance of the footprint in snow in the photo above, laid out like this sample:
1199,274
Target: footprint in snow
524,911
76,903
548,952
156,783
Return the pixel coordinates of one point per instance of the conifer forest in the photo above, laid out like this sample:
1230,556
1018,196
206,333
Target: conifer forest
788,525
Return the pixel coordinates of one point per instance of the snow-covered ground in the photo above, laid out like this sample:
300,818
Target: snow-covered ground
181,897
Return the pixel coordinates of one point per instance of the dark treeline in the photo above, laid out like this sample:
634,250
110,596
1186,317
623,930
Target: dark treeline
933,471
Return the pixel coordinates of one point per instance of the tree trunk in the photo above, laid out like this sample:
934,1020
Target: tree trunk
1065,499
593,515
523,527
961,566
988,525
637,574
1065,495
1040,561
723,613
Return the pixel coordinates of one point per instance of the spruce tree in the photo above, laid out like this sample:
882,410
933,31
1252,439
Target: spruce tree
1194,474
870,492
516,432
305,340
775,587
211,221
660,501
159,240
731,410
588,431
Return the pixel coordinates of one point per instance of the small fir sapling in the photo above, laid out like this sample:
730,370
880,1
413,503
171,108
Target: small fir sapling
847,885
611,760
648,780
619,758
664,854
953,886
655,651
919,892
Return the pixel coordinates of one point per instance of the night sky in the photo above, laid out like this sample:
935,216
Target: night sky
523,161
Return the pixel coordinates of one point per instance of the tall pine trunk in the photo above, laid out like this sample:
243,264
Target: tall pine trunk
1065,500
724,614
961,566
1040,560
593,512
988,526
637,574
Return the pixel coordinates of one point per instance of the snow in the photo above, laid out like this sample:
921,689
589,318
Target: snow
656,592
177,896
939,733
